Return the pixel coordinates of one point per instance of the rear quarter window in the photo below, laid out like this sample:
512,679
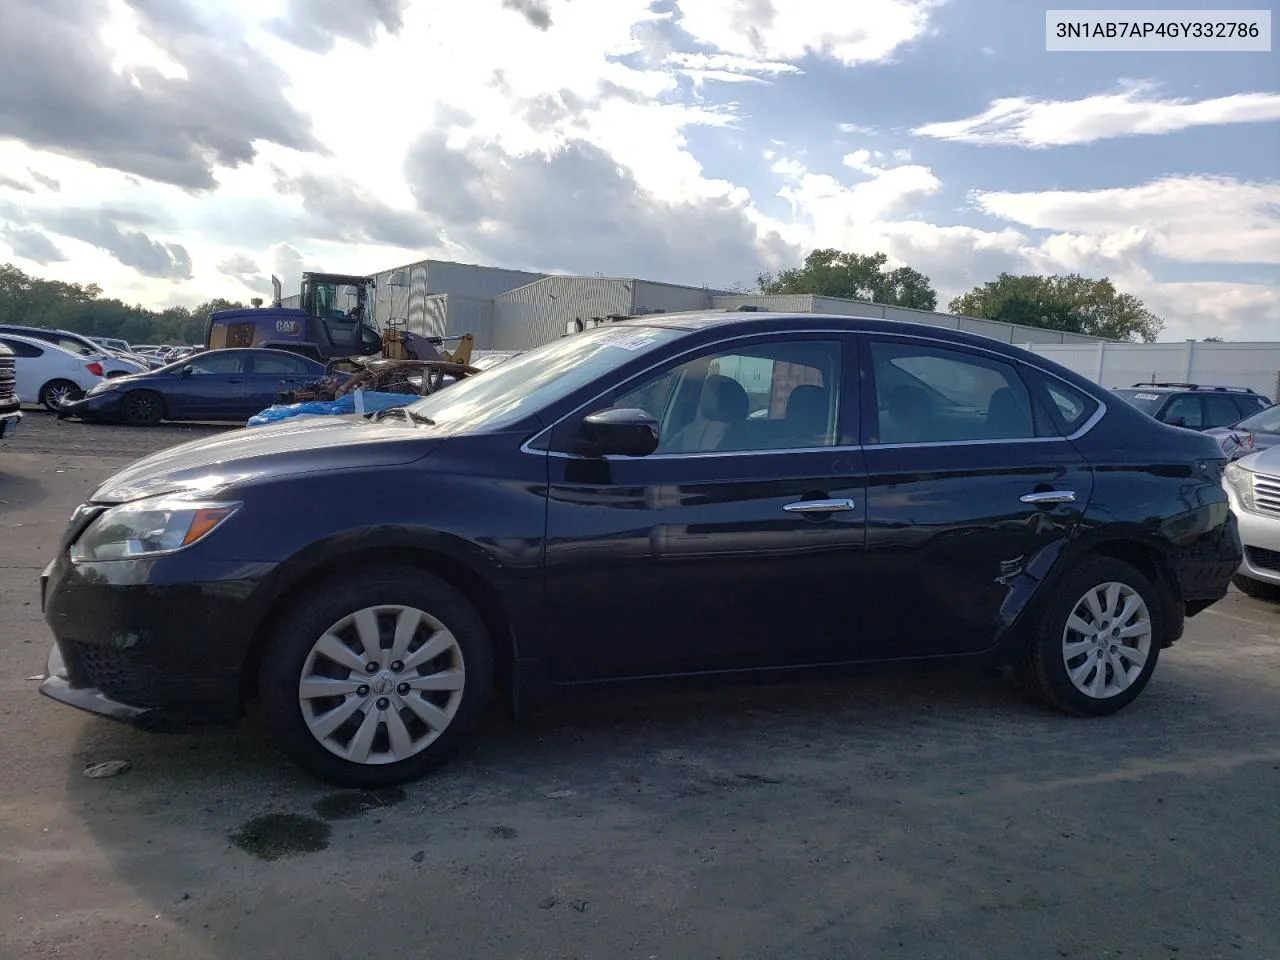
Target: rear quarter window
1071,408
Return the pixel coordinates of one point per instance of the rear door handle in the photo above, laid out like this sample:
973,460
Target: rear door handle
819,506
1049,497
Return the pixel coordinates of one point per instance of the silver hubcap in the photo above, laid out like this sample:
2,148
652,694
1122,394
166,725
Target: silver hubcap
59,395
1106,640
382,684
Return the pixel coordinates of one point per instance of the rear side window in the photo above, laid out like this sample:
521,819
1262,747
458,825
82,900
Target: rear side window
1220,411
21,349
931,395
1073,407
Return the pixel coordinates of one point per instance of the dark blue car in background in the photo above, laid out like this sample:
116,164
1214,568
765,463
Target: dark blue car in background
229,384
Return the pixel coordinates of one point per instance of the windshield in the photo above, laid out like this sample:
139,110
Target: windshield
1146,402
1264,421
528,382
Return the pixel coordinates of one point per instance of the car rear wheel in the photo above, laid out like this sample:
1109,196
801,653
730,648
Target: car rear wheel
1256,588
1099,639
377,678
57,392
141,408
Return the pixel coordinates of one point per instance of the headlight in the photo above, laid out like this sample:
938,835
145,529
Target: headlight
149,528
104,386
1241,480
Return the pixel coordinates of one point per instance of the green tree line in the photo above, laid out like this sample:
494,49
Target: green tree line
33,302
1071,303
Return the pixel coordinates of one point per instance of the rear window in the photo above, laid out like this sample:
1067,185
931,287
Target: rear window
1144,400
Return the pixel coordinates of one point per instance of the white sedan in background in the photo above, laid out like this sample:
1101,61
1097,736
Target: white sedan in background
48,374
1253,486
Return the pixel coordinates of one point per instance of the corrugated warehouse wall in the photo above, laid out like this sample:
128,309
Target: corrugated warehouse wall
401,293
1252,365
650,297
538,312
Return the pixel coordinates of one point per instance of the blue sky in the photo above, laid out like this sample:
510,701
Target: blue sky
200,145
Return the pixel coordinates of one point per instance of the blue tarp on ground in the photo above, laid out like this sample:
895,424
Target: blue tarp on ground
370,403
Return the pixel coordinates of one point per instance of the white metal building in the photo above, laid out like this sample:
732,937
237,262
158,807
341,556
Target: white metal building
516,310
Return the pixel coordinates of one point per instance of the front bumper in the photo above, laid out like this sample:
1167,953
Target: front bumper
159,642
9,422
100,406
1261,538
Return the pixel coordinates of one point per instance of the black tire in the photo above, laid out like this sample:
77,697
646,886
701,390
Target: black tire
141,408
52,393
1046,668
307,619
1257,589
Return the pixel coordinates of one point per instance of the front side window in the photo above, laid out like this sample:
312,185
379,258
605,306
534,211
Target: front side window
1184,411
937,395
780,395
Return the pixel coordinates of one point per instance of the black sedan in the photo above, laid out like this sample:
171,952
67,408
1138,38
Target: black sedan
702,495
231,384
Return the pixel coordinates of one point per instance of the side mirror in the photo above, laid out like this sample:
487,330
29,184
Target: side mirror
188,370
623,431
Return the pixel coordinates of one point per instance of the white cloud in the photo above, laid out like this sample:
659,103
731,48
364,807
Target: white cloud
552,134
1131,110
1192,219
866,31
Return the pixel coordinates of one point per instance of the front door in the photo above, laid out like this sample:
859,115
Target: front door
737,544
214,388
969,487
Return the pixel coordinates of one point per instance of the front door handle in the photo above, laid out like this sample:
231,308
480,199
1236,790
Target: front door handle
819,506
1049,497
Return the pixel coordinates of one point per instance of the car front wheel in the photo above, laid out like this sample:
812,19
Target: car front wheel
376,678
141,408
1099,639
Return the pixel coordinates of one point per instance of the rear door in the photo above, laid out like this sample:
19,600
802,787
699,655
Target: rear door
1184,410
270,371
970,485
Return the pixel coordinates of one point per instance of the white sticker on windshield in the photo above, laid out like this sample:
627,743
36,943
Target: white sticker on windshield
1146,396
633,341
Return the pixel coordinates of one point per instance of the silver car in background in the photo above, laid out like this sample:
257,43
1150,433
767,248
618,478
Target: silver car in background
1253,486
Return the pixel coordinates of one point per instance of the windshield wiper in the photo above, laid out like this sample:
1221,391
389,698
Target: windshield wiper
410,416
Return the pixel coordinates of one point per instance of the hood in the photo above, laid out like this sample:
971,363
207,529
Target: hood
292,447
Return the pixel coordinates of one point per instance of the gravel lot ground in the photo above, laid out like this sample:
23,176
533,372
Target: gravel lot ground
913,816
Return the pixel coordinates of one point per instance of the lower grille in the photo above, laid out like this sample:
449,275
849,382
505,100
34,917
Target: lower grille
117,673
1265,559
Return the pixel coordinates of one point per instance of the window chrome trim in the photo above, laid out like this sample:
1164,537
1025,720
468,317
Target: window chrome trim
1078,434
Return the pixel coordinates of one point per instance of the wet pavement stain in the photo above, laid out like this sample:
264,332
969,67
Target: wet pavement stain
277,835
351,803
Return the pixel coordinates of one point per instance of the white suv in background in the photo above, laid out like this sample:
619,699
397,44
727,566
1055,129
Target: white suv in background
1253,486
